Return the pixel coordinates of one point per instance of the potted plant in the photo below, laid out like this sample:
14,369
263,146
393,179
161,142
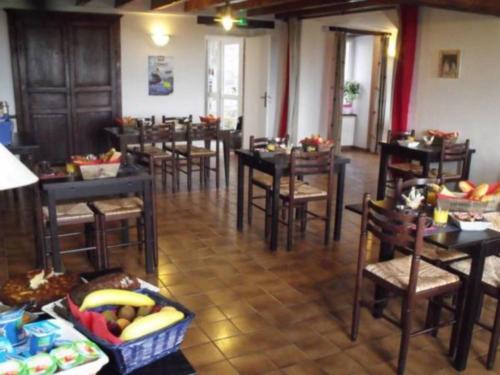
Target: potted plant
351,92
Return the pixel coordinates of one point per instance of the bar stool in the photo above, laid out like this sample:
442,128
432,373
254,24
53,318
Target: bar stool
71,214
116,210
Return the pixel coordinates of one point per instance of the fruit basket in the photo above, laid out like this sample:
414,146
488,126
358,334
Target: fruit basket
99,170
131,355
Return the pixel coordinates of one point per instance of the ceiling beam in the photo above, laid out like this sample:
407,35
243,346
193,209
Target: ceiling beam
255,4
491,7
162,4
120,3
340,8
251,24
199,5
82,2
289,6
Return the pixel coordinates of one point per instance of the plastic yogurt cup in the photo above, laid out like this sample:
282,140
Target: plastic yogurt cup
41,336
13,367
88,350
11,326
67,356
41,364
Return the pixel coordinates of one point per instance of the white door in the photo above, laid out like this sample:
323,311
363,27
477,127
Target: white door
225,79
256,97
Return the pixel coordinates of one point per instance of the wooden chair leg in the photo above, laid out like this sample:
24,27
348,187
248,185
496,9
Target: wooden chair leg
495,336
433,314
177,169
104,242
328,222
174,174
290,232
250,197
303,218
164,174
140,237
458,313
267,213
405,336
190,172
217,170
356,309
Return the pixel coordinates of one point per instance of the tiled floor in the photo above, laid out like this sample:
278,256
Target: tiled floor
260,312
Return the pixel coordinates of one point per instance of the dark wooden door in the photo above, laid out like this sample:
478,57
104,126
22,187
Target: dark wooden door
66,78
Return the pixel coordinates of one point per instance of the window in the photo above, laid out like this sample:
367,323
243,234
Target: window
224,79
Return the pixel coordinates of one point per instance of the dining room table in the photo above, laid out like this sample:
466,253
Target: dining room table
424,154
122,136
61,187
277,165
450,237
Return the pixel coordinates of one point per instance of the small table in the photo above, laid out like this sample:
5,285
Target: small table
422,153
121,137
278,166
23,145
470,242
131,179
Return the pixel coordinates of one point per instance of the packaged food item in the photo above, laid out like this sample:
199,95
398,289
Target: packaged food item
41,335
41,364
88,350
66,356
5,348
13,367
11,325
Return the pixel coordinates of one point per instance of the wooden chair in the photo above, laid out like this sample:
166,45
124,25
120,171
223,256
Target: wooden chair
454,153
490,287
296,194
120,210
407,277
70,215
430,253
401,168
183,121
262,180
200,156
155,157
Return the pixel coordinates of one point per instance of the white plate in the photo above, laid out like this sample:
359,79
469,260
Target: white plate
471,225
411,144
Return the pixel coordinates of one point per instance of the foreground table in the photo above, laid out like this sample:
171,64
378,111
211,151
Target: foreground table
131,179
422,153
121,137
278,166
470,242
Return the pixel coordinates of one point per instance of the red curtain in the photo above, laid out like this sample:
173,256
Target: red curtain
404,69
284,108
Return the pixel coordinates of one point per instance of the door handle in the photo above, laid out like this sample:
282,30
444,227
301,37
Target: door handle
265,97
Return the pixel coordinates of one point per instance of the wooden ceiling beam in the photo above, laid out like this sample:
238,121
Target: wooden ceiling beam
340,8
200,5
289,6
82,2
491,7
162,4
255,4
120,3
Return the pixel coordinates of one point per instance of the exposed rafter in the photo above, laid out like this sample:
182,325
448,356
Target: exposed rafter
256,4
199,5
290,6
340,8
491,7
162,4
82,2
120,3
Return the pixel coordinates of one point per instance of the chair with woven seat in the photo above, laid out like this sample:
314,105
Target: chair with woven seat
153,157
262,180
72,214
430,253
194,155
296,194
119,210
408,277
401,168
491,287
180,122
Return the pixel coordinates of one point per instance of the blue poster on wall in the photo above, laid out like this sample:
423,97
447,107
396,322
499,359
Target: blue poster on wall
160,75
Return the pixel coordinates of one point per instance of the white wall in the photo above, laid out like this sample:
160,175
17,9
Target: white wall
362,73
470,104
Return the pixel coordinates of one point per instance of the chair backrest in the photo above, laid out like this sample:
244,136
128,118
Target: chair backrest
203,132
161,133
454,152
261,143
179,120
393,228
311,163
397,136
403,186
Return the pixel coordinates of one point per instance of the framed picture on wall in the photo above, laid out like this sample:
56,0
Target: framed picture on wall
160,75
449,64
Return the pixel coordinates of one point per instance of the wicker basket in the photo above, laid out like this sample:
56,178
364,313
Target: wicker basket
96,171
134,354
467,205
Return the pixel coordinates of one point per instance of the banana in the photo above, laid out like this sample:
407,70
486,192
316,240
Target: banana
435,188
151,323
479,192
115,297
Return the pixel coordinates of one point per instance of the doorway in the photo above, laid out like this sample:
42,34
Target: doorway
224,79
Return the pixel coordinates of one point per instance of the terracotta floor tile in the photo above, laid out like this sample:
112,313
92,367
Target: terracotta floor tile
203,354
250,322
236,309
219,330
339,364
316,347
253,364
307,367
210,314
219,368
236,346
286,356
